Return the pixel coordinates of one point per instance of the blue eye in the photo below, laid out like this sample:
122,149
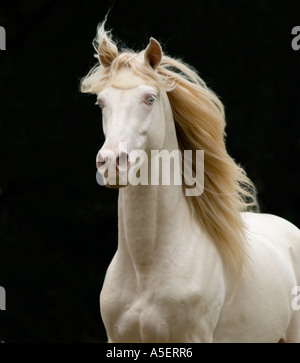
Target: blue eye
150,100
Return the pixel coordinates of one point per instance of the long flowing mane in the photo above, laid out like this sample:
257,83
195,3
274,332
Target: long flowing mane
200,125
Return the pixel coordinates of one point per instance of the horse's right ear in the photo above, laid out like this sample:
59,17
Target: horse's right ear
105,46
153,53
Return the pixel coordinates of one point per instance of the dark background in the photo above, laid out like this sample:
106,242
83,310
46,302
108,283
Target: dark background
58,228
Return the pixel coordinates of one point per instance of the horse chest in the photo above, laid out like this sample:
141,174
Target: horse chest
145,317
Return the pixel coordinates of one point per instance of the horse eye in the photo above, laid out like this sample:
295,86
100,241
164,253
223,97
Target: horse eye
150,100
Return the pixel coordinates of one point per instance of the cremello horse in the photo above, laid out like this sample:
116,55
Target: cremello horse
187,269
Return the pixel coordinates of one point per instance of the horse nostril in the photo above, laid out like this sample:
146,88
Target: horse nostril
101,162
122,160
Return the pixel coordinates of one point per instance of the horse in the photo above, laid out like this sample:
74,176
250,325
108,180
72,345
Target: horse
188,269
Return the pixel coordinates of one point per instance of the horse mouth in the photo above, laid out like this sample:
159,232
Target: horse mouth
117,184
118,180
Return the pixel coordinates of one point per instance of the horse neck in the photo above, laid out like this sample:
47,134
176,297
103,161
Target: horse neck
150,215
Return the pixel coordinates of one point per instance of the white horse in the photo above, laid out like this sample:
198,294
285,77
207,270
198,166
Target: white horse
187,269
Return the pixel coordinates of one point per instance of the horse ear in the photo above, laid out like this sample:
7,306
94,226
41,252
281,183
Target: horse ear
107,52
104,45
153,53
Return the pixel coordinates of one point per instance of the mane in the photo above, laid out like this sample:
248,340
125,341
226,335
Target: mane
200,125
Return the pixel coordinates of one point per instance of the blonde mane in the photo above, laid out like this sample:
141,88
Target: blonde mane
200,125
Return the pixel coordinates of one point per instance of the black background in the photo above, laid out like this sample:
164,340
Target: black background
58,228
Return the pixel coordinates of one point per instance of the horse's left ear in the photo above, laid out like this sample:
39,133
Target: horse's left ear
153,53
